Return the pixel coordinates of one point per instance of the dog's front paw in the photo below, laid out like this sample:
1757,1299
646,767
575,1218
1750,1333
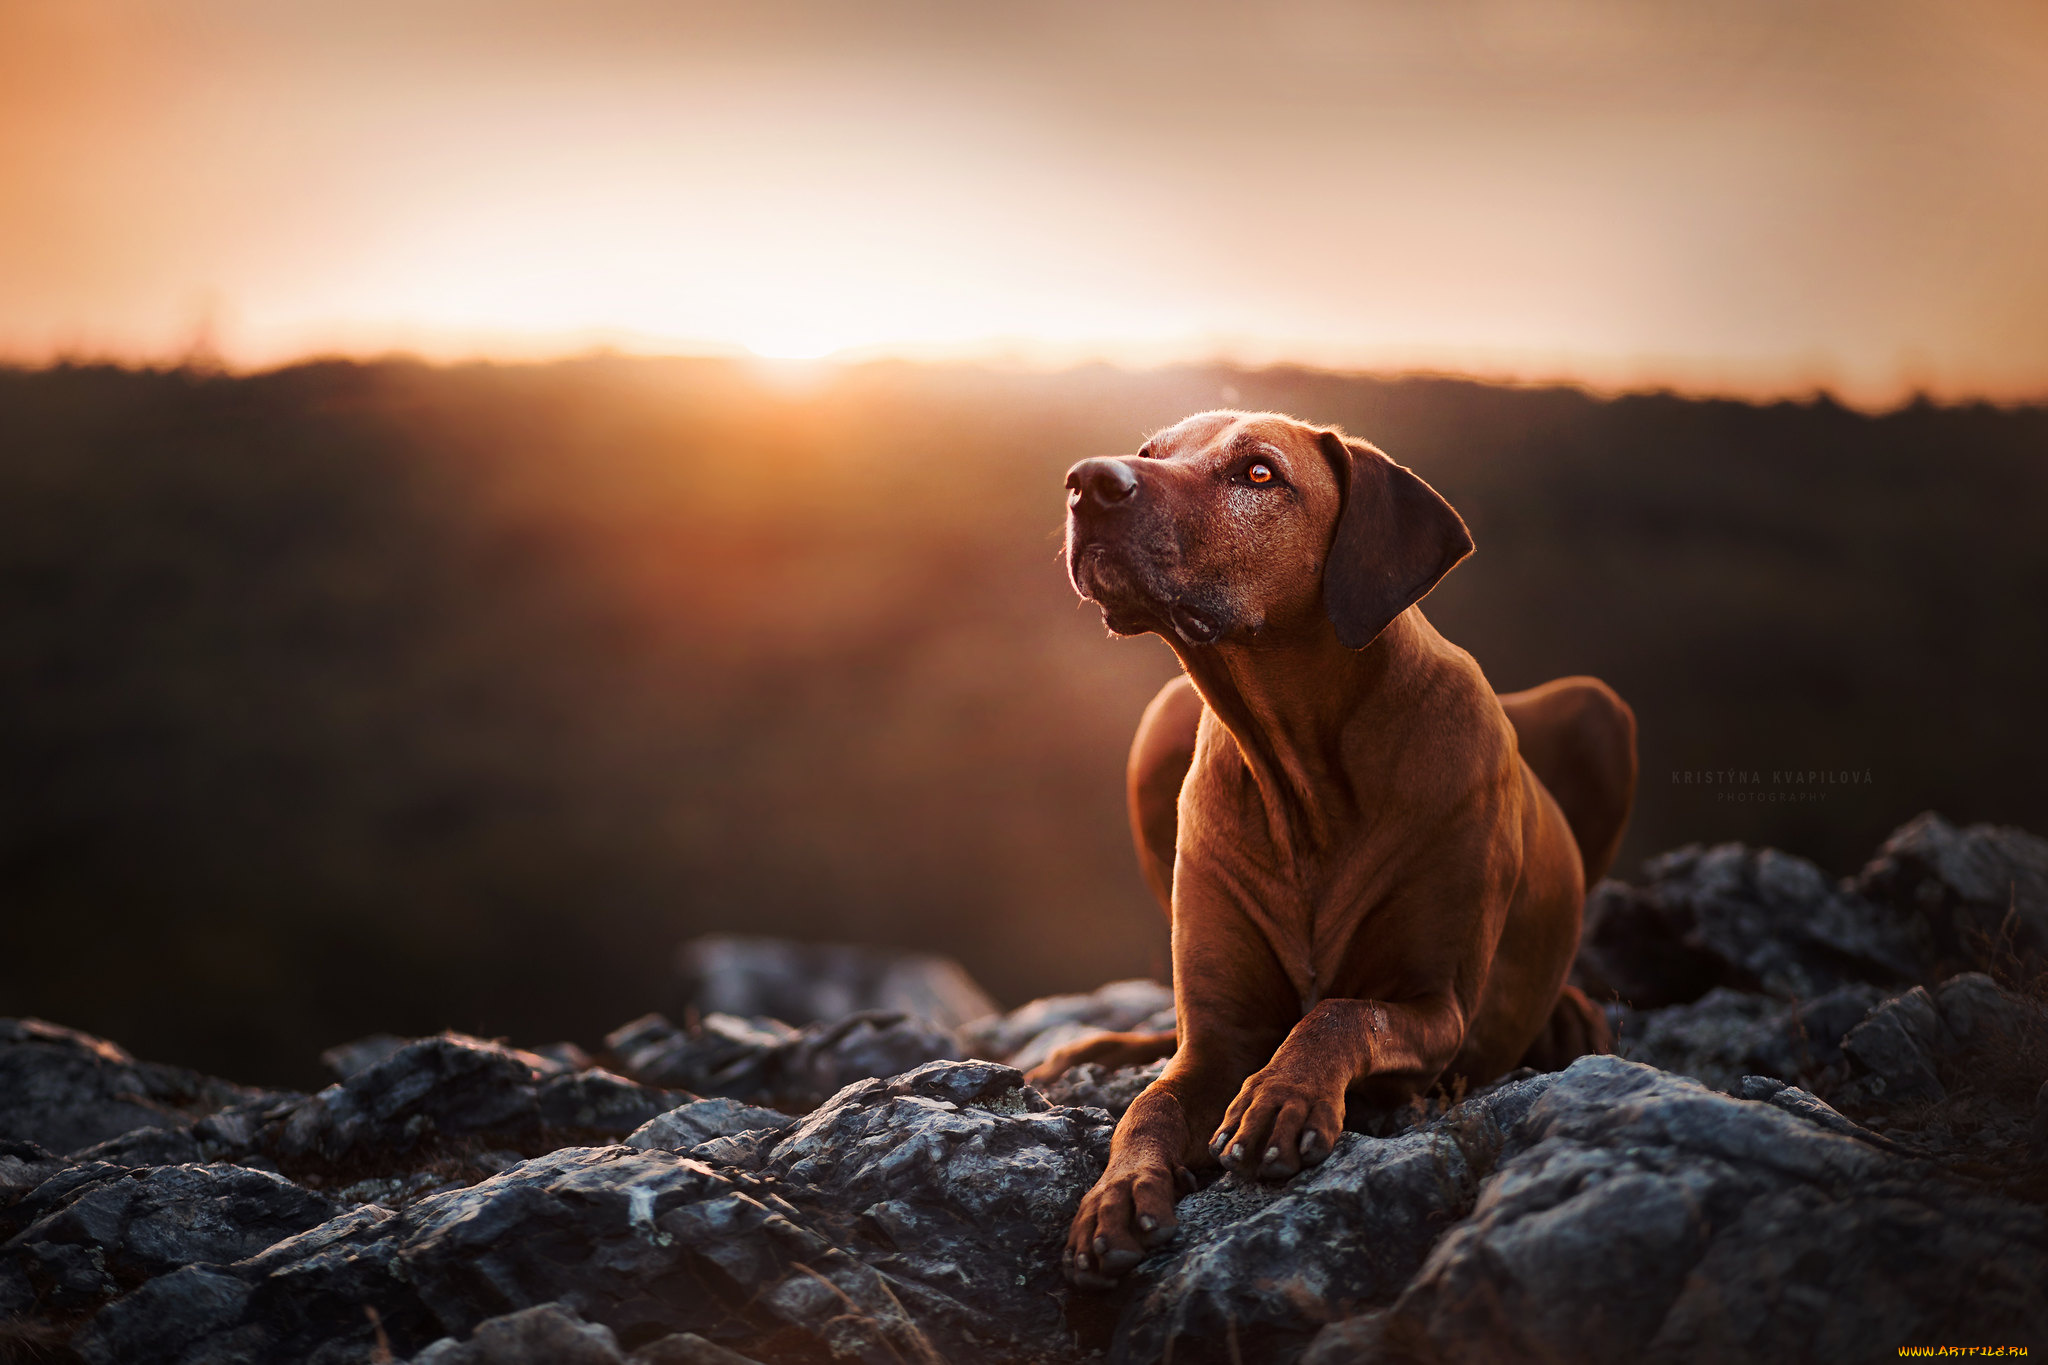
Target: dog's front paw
1277,1125
1128,1214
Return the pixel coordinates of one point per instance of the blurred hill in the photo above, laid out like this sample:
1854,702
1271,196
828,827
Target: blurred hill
387,697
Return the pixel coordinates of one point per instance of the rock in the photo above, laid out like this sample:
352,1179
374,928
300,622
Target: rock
1953,1074
1897,1049
958,1183
1977,897
1981,1014
147,1147
765,1063
812,983
908,1219
722,1048
688,1125
1641,1216
1027,1035
1635,947
1808,1106
1728,1034
647,1243
828,1057
1873,1175
166,1317
23,1166
347,1059
65,1090
1258,1269
547,1334
687,1348
452,1087
567,1056
596,1101
82,1241
1092,1086
1749,919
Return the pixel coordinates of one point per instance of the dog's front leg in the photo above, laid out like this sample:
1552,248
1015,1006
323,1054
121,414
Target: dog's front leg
1231,1005
1130,1210
1289,1113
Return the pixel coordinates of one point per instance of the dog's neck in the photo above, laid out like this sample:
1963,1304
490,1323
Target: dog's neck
1286,703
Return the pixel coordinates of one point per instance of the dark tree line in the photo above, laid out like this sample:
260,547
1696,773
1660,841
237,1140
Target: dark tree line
359,697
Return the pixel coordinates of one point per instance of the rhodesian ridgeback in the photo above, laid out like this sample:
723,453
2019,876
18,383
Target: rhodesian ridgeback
1373,865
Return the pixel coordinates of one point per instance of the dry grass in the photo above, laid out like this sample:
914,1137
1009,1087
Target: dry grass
1981,1128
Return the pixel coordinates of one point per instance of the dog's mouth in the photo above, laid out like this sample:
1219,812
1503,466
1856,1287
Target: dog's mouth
1193,625
1104,580
1132,604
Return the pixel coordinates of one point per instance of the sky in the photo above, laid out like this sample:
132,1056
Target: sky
1756,197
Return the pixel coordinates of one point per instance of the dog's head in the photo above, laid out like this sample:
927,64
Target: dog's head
1231,524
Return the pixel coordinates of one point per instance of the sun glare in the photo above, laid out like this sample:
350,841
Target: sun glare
791,345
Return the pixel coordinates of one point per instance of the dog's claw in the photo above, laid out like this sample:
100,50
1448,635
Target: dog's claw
1184,1178
1146,1222
1313,1148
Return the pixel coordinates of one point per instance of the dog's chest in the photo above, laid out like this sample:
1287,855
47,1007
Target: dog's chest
1309,912
1306,880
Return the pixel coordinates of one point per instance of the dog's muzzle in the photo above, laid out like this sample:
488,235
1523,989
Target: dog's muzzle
1104,496
1117,545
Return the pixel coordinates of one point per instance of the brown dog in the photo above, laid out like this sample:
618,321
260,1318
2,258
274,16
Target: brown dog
1374,866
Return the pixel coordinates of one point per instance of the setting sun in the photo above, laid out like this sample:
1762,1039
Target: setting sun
1560,190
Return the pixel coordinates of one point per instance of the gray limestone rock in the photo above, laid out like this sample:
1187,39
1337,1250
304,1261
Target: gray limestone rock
1728,1034
1975,896
1873,1174
65,1090
78,1242
1091,1086
453,1088
690,1125
763,1062
547,1334
1749,919
1258,1269
1636,1215
1896,1050
820,983
957,1182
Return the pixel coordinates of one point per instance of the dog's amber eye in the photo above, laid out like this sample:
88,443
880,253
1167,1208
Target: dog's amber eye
1260,473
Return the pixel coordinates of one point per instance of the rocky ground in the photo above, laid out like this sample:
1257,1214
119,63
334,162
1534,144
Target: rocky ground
1826,1136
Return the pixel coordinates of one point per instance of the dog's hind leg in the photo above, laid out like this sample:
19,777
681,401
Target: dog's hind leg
1576,1028
1580,740
1161,755
1112,1050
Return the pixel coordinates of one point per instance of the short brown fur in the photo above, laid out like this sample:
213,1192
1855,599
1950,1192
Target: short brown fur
1373,865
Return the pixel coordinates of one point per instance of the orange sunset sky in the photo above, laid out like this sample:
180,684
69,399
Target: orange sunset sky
1751,197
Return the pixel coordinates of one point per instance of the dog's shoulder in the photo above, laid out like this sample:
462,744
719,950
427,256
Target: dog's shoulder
1448,729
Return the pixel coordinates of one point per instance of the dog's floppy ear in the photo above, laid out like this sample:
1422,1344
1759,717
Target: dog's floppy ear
1396,538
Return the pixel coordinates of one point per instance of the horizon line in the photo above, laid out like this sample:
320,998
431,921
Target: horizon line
1811,384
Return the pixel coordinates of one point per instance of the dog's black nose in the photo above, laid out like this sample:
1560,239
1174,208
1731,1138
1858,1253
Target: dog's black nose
1100,482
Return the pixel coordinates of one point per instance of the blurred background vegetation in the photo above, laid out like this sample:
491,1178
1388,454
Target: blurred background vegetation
357,697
